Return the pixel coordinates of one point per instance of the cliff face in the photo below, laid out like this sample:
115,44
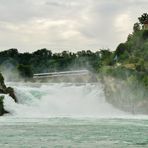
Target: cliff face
5,90
128,97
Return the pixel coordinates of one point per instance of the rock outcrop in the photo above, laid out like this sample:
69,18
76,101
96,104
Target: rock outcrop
125,95
5,90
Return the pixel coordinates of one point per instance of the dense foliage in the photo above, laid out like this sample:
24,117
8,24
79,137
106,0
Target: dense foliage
126,83
44,60
131,57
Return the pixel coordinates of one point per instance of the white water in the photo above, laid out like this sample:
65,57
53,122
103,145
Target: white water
60,100
31,124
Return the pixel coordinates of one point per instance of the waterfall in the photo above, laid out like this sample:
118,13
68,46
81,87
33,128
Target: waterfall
60,100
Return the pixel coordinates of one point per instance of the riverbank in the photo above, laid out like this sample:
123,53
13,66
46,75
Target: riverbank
124,88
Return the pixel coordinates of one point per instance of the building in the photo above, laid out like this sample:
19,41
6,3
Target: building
145,26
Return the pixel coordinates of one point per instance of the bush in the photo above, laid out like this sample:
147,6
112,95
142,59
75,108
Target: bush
140,65
145,80
145,34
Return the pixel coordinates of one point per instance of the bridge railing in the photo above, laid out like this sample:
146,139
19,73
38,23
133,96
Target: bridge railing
61,74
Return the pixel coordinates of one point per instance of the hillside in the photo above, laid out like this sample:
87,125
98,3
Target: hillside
131,58
126,80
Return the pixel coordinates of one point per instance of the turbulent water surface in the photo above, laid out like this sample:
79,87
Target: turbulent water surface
68,115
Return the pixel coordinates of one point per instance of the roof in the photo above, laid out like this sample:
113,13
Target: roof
146,22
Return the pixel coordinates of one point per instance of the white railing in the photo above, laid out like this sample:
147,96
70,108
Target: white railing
62,74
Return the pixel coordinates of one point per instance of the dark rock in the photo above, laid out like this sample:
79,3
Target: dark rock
2,110
11,93
125,95
1,106
5,90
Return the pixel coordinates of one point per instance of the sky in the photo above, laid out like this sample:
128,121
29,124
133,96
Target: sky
71,25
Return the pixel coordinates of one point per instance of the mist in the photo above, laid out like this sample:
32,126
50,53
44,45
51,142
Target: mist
127,95
61,100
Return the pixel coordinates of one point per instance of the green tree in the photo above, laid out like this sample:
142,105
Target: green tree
25,71
145,34
144,18
120,49
42,53
136,27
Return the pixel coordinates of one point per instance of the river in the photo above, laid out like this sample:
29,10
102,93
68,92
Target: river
68,115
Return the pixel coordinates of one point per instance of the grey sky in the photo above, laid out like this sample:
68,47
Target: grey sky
67,24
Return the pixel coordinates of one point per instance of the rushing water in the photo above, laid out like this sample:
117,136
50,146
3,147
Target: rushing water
68,115
56,100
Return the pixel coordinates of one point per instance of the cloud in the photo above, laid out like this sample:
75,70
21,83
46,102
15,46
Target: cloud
66,24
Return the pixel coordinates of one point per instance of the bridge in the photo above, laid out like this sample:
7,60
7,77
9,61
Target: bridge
64,76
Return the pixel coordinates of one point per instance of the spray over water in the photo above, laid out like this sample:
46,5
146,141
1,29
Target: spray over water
60,100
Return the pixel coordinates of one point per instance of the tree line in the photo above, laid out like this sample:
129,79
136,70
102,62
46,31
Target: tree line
43,60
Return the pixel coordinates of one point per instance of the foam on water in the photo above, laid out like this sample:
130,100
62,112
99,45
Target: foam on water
60,100
41,119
